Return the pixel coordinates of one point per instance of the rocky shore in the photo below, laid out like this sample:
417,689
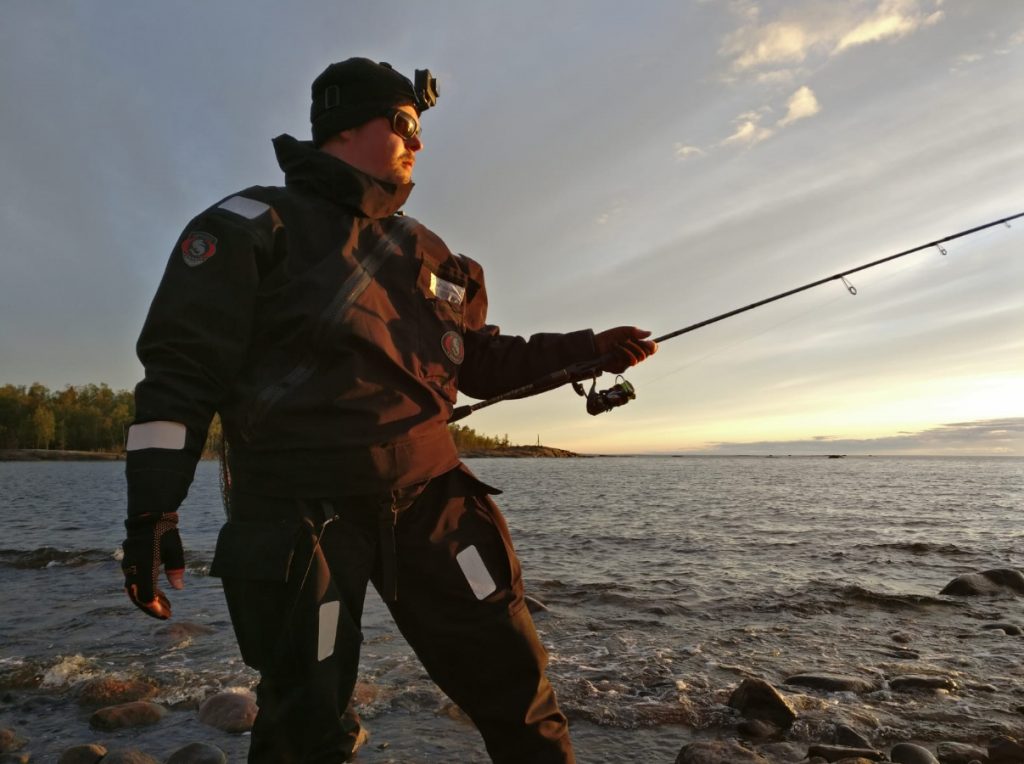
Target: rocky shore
54,455
518,452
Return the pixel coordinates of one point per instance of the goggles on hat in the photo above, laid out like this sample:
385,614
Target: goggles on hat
404,124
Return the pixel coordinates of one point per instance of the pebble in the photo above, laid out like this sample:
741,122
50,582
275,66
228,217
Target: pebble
912,682
848,736
959,753
198,753
718,752
908,753
1005,750
996,581
833,682
110,690
229,711
1007,628
10,740
129,756
756,699
839,752
135,714
83,754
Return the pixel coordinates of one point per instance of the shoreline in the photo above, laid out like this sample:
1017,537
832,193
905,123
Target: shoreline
56,455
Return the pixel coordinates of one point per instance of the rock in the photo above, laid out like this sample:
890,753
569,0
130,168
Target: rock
198,753
1005,750
229,711
109,691
15,758
912,682
996,581
848,736
839,752
718,752
756,729
10,741
959,753
901,638
1007,628
856,760
908,753
756,699
832,682
83,754
129,756
135,714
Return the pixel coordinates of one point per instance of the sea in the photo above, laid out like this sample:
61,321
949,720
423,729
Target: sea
666,581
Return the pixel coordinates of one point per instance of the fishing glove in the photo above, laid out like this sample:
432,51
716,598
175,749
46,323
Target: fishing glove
152,542
625,346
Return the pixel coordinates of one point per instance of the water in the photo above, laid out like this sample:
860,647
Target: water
668,580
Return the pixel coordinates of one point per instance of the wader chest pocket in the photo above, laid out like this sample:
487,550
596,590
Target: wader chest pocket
255,551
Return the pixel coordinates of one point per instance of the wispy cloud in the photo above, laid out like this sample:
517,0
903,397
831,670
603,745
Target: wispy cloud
749,130
802,104
892,19
684,152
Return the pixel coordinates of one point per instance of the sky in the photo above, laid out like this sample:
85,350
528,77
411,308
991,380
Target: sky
651,165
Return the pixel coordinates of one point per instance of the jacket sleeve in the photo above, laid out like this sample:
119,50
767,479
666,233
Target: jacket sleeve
496,363
192,345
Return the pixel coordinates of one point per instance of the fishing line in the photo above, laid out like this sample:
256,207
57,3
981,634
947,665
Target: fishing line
600,401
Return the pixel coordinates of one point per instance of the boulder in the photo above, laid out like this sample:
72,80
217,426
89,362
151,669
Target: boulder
840,752
718,752
757,729
198,753
10,740
756,699
110,690
848,736
908,753
135,714
83,754
959,753
833,682
129,756
913,682
229,711
996,581
1005,750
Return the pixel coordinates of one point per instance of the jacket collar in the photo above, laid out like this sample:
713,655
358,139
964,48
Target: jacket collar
309,169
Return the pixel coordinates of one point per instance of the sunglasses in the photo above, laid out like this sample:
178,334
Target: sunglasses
404,125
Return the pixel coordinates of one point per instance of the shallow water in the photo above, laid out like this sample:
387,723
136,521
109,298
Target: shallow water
668,580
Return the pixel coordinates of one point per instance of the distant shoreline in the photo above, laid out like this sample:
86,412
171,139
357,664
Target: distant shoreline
56,455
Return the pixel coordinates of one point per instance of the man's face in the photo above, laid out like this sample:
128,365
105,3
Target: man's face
377,150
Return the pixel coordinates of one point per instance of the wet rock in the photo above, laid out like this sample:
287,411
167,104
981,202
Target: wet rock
198,753
1007,628
1005,750
907,655
783,751
110,691
15,758
136,714
756,699
832,682
10,740
982,687
848,736
996,581
129,756
901,638
229,711
718,752
83,754
914,682
535,605
908,753
959,753
856,760
840,752
756,729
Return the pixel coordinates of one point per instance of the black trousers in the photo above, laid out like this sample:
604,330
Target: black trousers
295,575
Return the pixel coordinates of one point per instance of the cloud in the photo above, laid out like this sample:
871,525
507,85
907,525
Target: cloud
749,130
982,437
775,43
608,214
801,104
683,152
892,19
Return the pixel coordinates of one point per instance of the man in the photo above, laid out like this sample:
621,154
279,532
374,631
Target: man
333,334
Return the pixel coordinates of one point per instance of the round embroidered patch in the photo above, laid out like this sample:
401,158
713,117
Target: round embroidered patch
453,347
198,247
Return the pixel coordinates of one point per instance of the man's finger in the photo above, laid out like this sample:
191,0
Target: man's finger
176,578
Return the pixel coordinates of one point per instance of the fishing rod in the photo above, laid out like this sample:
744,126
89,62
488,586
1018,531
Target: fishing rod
621,393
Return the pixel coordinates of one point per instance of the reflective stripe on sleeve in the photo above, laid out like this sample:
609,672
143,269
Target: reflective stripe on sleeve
170,435
476,573
328,631
247,208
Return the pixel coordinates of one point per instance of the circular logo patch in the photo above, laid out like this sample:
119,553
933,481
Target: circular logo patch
453,347
198,247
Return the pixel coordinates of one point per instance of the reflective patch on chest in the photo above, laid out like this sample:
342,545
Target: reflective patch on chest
453,346
446,290
198,247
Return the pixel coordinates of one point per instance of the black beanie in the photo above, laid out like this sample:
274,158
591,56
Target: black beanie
354,91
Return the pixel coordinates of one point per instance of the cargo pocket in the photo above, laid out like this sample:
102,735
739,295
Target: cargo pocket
258,564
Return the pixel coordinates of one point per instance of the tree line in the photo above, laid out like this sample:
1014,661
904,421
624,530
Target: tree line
96,418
